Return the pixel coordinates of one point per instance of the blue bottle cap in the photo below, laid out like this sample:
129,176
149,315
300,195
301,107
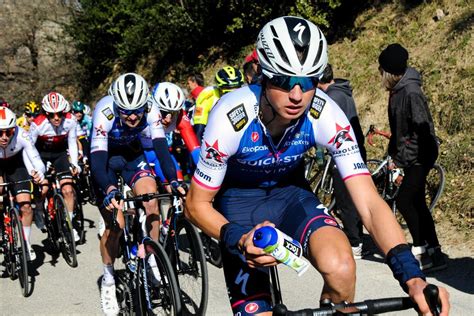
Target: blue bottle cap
134,250
265,236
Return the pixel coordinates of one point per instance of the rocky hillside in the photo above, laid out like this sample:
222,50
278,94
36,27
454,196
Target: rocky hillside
35,54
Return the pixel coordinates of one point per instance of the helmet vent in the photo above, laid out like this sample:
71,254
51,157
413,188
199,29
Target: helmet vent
281,51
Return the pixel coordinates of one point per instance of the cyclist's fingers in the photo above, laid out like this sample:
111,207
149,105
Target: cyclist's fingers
116,204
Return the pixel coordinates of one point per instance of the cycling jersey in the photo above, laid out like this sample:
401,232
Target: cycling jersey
204,104
22,122
84,127
21,141
238,151
51,139
111,137
179,122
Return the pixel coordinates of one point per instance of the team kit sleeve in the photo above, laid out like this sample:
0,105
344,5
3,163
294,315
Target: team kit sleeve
333,131
220,142
31,156
72,143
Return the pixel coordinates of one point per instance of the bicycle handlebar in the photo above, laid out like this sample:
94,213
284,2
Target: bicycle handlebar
368,307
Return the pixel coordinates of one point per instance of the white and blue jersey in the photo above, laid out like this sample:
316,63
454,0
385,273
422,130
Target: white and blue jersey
238,151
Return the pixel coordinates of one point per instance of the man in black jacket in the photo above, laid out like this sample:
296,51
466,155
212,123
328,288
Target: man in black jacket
340,91
413,146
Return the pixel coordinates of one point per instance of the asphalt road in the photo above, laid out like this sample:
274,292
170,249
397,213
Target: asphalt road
62,290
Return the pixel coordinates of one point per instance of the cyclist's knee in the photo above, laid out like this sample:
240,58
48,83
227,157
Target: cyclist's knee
67,191
25,208
339,265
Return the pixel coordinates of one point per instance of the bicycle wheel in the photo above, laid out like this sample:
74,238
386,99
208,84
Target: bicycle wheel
18,252
158,292
212,250
435,182
187,256
65,229
78,221
325,190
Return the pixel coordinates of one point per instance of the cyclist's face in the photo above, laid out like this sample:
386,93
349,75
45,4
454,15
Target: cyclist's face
5,136
55,118
78,115
131,120
291,104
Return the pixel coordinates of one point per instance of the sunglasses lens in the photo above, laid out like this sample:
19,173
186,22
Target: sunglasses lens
287,83
8,132
130,112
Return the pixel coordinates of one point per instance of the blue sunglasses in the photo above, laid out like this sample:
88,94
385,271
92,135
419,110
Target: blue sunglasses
130,112
288,82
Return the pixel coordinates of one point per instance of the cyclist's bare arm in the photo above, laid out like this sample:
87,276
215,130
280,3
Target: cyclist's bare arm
199,210
386,232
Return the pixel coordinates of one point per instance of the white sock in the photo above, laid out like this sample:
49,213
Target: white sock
27,232
71,215
108,277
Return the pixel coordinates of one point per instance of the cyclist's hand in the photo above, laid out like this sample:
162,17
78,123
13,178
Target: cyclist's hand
113,200
179,188
255,256
44,187
37,176
399,180
415,290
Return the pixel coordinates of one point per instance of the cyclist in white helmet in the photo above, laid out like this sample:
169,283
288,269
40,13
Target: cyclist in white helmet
54,135
170,100
118,120
251,175
18,160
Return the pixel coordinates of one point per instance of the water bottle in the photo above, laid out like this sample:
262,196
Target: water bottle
132,263
282,247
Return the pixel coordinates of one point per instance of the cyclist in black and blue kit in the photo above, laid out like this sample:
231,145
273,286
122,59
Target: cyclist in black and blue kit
118,120
251,174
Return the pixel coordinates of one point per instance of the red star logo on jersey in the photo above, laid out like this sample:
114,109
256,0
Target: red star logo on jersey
100,131
342,135
214,153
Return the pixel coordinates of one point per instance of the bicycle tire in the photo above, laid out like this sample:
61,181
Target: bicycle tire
164,297
325,190
51,227
78,221
435,182
19,252
212,250
65,229
187,257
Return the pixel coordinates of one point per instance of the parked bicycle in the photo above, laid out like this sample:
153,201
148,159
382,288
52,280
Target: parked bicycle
14,246
318,172
149,285
385,176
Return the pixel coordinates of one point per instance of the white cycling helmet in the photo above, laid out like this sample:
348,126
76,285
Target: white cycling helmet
7,118
168,96
54,102
130,91
292,46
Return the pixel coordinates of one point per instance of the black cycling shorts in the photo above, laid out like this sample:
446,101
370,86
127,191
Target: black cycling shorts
294,210
60,162
14,170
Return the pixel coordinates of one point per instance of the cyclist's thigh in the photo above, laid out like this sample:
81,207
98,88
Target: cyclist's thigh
135,169
61,164
248,288
14,171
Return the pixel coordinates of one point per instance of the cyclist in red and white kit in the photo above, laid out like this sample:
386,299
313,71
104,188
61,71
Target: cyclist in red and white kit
19,159
54,134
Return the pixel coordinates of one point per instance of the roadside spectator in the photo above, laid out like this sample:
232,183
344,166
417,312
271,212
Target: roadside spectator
414,147
195,84
340,91
251,68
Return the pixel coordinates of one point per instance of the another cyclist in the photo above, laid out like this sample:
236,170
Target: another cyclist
84,126
170,100
18,160
31,110
251,164
227,79
413,147
54,134
118,120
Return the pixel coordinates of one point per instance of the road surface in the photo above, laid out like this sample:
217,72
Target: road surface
62,290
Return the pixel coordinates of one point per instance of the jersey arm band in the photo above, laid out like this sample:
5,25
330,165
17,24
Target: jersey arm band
164,157
404,265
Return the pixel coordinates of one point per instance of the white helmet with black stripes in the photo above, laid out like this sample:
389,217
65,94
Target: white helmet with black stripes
130,91
168,96
292,46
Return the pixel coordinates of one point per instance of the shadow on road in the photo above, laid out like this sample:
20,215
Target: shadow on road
458,275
